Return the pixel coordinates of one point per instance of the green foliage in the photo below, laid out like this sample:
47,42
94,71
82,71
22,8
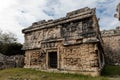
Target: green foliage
31,74
9,45
110,70
11,48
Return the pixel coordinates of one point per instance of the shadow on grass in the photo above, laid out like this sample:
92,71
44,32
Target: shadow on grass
111,71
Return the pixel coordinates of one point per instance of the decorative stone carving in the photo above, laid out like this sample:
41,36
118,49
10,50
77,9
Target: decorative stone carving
52,33
49,45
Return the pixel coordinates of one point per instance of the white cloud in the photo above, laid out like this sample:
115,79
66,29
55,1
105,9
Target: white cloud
18,14
7,18
108,8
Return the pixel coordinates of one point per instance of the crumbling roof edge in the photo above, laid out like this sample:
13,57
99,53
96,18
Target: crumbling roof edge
49,23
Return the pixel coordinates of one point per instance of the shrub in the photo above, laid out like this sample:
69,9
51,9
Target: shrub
11,49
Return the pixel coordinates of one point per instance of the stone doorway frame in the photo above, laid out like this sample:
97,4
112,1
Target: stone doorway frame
52,60
47,56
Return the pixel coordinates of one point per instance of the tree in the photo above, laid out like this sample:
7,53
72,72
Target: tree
7,37
9,44
11,49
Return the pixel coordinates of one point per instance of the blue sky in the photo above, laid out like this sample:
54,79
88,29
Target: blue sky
18,14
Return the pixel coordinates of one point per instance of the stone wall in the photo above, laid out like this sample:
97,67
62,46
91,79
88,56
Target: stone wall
11,61
35,59
69,44
111,40
80,58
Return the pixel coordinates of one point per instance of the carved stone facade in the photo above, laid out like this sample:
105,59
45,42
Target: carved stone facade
69,44
111,40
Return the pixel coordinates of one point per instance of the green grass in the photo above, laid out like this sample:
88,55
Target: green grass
111,70
31,74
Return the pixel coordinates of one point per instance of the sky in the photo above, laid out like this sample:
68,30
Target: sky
16,15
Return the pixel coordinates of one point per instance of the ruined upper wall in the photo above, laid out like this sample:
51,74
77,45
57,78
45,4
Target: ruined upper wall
71,16
118,12
112,32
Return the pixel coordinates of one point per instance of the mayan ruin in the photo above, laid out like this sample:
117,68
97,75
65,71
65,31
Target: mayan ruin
60,40
71,44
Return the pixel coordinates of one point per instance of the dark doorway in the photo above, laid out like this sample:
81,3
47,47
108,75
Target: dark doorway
52,59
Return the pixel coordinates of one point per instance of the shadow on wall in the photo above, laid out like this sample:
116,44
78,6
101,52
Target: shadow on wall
112,56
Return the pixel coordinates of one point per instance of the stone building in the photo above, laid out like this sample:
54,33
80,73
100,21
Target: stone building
69,44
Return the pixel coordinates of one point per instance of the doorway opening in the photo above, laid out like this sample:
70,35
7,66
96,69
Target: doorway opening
52,59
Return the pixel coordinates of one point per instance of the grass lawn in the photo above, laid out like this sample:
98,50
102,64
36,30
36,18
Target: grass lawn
30,74
111,71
